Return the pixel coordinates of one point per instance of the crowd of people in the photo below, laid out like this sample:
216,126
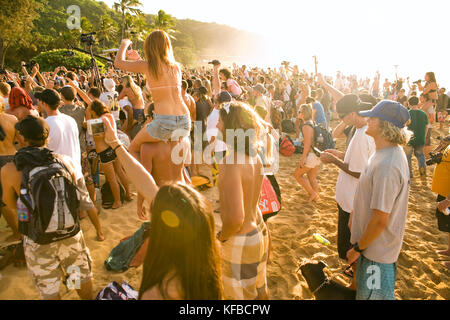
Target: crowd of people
153,110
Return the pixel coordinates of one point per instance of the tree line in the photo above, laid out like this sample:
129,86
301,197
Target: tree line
30,27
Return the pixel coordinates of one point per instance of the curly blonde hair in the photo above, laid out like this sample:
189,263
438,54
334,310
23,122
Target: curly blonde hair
394,134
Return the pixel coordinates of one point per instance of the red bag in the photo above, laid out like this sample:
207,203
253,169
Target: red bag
287,147
270,200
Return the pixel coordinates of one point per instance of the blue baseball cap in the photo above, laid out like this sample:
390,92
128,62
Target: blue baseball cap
390,111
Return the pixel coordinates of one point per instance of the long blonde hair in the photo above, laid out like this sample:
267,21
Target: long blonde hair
158,51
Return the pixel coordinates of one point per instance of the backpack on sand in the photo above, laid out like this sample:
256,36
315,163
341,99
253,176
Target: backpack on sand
48,205
287,147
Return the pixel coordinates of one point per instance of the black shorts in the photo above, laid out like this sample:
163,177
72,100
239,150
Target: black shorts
443,220
107,156
343,233
3,161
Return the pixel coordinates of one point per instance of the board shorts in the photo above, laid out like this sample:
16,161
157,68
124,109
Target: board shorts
48,263
167,127
312,160
86,169
442,219
3,161
107,156
376,281
244,263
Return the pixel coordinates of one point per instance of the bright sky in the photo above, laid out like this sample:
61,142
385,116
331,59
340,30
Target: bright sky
354,36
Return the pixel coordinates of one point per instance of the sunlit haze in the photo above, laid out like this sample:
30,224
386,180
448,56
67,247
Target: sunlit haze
354,36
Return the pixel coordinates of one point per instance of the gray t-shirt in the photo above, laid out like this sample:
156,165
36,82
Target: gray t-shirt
383,186
78,114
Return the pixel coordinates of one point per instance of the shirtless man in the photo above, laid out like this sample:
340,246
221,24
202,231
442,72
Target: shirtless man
157,159
244,235
7,152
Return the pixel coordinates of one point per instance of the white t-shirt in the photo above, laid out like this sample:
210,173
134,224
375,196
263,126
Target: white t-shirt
360,149
212,131
64,139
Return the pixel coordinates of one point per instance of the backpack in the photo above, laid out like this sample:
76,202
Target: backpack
287,147
48,205
121,256
323,138
270,200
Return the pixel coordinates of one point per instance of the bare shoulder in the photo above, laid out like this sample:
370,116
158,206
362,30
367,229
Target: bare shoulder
173,291
8,118
9,172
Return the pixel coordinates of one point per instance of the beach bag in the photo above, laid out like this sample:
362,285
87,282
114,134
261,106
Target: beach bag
107,195
115,291
120,257
270,200
287,147
51,199
287,126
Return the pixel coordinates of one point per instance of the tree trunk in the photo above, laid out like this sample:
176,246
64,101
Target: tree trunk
123,23
3,49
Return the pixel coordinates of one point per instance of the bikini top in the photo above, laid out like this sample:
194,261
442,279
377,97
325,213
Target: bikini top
168,86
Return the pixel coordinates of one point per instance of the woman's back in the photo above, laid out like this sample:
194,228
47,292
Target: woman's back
166,91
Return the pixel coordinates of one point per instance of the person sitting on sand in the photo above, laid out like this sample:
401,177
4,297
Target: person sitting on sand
244,235
182,257
441,186
381,204
309,163
108,159
164,76
351,164
46,262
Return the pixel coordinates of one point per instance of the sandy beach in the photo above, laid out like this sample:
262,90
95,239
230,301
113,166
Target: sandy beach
420,273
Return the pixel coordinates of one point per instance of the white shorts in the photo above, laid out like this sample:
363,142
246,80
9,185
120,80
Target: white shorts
312,160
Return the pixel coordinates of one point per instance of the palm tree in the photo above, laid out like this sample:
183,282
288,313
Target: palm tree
127,7
164,21
107,29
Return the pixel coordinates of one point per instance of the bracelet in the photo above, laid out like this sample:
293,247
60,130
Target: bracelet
118,146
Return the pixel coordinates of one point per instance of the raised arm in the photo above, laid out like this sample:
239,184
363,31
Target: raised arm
139,176
137,66
335,93
80,92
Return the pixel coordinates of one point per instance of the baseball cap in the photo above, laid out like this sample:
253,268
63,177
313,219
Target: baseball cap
260,88
390,111
33,128
351,103
214,62
49,96
224,96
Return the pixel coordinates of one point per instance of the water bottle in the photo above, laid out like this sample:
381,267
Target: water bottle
321,239
22,210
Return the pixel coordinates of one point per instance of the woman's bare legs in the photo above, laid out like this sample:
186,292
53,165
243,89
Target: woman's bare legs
108,170
299,175
123,179
312,178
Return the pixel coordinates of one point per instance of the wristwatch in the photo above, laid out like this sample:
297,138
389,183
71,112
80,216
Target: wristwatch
356,248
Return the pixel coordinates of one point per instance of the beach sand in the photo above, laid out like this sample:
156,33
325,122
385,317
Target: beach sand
420,274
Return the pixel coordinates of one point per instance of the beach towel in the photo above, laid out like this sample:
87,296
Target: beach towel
121,256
